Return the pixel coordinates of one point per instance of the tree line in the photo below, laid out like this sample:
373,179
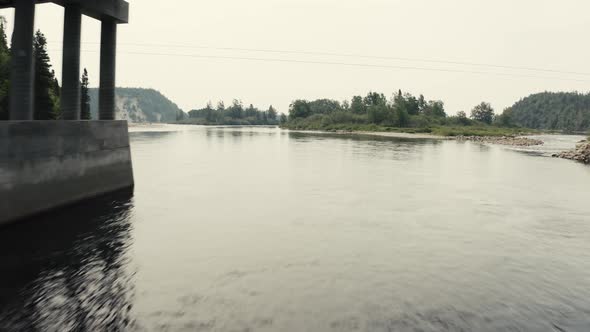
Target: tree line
402,110
235,114
568,111
47,91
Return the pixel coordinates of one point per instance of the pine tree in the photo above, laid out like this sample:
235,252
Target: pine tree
272,113
46,85
4,71
84,97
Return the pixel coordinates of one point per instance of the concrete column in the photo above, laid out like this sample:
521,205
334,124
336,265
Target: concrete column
70,92
108,55
23,71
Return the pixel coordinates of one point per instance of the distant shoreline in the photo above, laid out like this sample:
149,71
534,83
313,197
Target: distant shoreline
373,133
509,140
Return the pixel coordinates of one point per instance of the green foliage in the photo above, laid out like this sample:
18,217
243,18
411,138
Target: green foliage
46,88
233,115
378,113
405,110
47,91
357,105
404,113
483,113
434,108
299,109
375,99
141,104
272,113
506,119
283,119
402,117
324,106
84,98
459,120
568,111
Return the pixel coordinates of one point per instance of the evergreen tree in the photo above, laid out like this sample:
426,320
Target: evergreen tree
4,71
236,110
221,106
272,113
46,85
422,104
250,112
84,98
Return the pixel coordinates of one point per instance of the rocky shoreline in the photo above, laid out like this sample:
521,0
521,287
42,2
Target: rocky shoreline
502,140
581,153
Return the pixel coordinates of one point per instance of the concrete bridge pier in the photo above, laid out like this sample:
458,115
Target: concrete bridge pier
50,164
23,67
70,91
108,64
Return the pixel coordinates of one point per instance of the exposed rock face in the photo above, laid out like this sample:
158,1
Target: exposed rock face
129,109
139,106
502,140
581,153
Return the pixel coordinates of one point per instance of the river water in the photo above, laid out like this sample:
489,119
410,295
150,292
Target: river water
258,229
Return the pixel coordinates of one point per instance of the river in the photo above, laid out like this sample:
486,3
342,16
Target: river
258,229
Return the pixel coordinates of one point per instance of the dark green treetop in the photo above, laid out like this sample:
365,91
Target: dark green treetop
483,113
46,86
84,97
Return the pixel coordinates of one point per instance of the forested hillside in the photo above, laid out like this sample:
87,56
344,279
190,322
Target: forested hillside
569,111
140,105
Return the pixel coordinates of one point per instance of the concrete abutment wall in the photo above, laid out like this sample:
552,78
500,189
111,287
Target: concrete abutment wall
50,164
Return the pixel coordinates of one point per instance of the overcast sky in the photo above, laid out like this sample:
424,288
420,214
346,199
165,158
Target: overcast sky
193,51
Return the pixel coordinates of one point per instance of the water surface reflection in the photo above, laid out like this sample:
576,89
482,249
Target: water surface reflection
69,270
258,229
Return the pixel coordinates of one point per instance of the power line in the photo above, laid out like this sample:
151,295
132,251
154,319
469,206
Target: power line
350,55
349,64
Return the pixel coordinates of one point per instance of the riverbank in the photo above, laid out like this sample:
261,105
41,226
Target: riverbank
581,153
373,133
503,140
520,141
442,131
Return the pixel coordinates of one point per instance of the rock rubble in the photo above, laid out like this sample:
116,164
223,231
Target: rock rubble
502,140
581,153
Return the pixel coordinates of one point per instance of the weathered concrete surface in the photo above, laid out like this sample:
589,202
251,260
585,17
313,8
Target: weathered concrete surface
108,65
49,164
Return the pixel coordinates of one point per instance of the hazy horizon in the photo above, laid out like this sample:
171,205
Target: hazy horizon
265,52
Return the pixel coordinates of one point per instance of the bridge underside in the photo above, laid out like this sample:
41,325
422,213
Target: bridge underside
48,164
98,9
110,13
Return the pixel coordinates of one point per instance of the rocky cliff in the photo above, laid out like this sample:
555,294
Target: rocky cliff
139,105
